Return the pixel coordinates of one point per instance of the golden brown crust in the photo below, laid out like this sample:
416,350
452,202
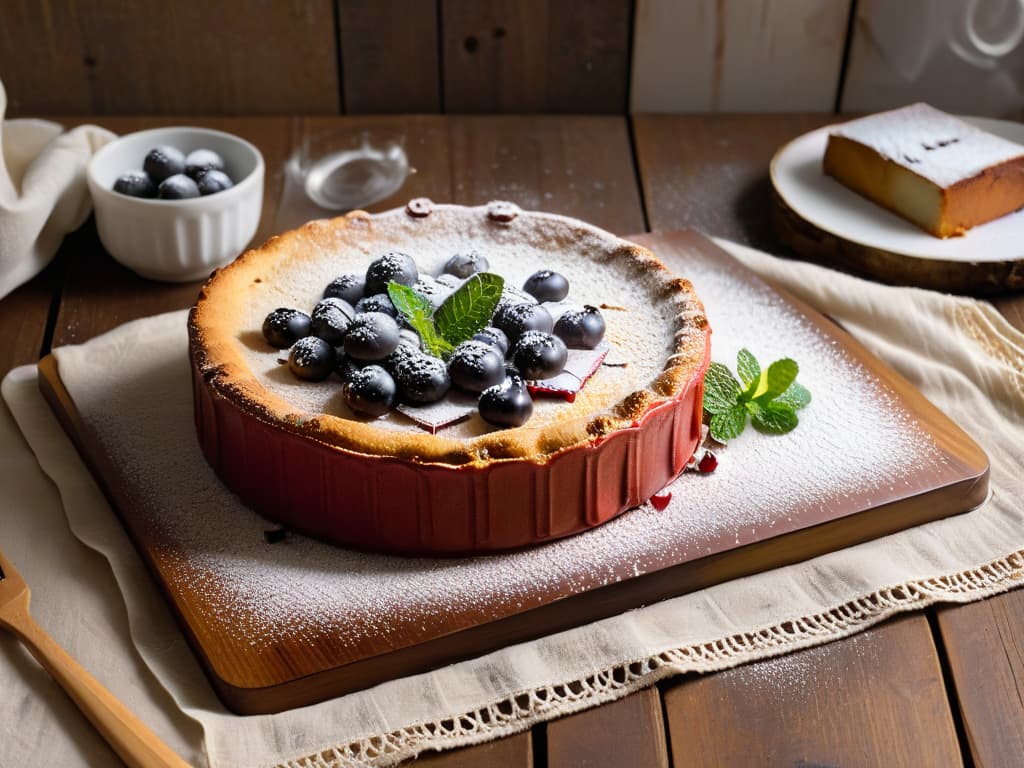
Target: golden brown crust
215,347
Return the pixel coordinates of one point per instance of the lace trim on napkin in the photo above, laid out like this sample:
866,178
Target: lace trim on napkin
521,711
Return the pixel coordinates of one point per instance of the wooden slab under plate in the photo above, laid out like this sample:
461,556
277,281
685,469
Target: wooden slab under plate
985,278
280,625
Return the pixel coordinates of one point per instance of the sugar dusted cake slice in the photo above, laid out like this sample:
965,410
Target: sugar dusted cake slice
933,169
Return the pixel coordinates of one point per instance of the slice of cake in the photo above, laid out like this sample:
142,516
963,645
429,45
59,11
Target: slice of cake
939,172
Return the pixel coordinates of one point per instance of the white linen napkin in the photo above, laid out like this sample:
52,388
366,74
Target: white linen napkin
43,194
961,353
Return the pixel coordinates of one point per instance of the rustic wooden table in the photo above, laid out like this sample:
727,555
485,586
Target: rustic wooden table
944,687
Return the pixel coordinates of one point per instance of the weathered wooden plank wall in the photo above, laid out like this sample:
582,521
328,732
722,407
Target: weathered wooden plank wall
738,55
464,56
536,55
389,56
923,51
159,57
190,56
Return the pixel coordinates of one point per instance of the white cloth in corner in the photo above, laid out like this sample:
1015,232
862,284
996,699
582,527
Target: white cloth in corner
43,194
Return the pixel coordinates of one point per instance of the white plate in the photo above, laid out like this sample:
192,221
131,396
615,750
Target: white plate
824,202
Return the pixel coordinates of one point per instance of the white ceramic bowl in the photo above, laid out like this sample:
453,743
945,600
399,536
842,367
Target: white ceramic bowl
176,240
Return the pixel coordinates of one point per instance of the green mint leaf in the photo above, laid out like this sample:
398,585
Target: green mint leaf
433,342
721,389
728,424
769,397
776,380
748,368
775,417
407,301
796,397
469,309
417,310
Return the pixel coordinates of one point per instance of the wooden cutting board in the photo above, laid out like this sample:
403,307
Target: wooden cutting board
281,625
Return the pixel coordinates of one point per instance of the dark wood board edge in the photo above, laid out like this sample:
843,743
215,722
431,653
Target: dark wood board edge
514,629
982,278
557,616
581,609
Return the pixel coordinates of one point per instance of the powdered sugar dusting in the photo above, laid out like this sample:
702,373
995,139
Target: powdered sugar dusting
586,257
795,677
933,144
135,393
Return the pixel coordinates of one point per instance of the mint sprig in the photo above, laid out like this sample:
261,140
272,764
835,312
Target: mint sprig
770,397
469,309
460,316
418,312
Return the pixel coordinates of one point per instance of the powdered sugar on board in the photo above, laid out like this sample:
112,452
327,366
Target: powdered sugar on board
134,391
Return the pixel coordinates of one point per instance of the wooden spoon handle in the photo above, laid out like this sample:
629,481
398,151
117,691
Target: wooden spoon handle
138,746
